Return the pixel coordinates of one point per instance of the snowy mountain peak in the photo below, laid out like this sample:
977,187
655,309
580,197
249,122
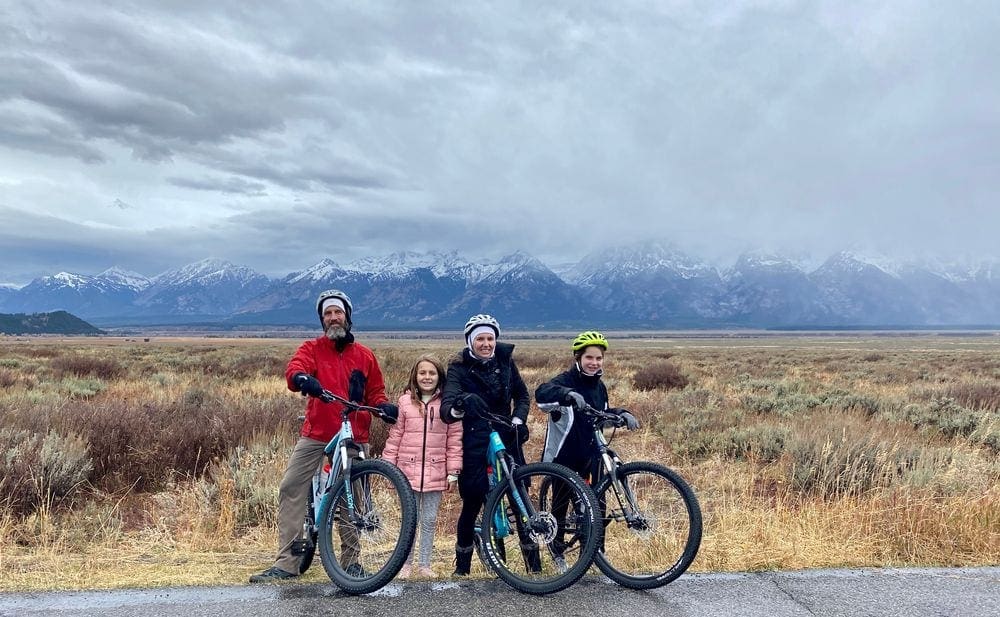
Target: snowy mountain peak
322,270
125,278
759,263
403,262
206,272
68,279
624,262
766,261
522,260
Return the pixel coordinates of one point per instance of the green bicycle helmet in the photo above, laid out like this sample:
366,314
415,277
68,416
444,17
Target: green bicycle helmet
588,338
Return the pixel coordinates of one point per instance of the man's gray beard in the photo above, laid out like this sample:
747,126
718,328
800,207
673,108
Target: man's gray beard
335,332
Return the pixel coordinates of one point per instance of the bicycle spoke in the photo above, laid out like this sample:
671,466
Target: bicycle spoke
553,547
653,526
367,547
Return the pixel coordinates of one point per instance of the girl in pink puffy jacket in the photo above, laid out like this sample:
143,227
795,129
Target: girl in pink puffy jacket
426,449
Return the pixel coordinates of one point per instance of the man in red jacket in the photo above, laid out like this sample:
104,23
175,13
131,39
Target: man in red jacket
337,363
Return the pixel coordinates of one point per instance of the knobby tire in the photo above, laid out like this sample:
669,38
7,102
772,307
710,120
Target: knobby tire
580,540
383,496
653,556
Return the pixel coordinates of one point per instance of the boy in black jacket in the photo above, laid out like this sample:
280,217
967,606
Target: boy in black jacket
569,439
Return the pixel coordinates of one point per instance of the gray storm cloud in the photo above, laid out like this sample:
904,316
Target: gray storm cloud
721,127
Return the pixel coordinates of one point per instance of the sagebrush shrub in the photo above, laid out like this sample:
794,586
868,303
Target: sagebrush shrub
141,445
39,469
781,404
847,401
85,387
978,395
831,464
86,366
8,378
945,415
662,375
245,365
250,469
43,352
531,360
762,443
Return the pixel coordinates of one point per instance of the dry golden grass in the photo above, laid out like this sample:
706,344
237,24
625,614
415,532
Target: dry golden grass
839,450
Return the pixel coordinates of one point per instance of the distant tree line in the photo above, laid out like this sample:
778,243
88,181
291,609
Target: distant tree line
57,322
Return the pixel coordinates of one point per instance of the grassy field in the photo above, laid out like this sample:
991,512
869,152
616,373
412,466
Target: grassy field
131,462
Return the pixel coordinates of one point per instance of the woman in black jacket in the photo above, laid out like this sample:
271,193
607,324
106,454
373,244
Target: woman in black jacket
482,377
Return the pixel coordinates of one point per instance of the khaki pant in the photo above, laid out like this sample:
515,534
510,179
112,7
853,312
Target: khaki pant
293,495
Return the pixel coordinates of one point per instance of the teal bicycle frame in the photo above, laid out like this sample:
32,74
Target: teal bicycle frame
496,469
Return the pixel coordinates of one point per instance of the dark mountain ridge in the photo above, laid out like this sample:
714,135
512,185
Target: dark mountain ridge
642,286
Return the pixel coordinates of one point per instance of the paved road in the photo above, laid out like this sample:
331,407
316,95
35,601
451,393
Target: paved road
876,592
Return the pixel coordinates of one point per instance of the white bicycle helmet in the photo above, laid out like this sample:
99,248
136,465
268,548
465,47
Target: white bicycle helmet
334,293
482,320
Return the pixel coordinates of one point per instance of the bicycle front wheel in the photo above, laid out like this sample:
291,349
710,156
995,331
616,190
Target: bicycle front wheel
549,550
652,526
363,551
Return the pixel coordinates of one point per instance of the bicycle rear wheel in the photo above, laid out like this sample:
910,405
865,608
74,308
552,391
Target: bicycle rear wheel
551,550
652,531
363,554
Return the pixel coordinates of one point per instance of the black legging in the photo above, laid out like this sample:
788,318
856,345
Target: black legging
474,486
473,500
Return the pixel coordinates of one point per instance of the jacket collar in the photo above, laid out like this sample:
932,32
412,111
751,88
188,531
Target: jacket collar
588,379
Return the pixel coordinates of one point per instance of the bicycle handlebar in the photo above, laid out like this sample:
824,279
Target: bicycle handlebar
491,417
350,406
603,417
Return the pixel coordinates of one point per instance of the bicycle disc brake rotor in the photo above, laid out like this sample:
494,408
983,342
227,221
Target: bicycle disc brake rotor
369,522
642,525
542,528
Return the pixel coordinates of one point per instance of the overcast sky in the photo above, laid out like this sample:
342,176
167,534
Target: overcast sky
151,135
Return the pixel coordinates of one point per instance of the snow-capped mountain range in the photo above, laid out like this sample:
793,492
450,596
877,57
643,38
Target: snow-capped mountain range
643,286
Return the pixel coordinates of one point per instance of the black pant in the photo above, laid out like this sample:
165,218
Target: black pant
588,470
473,487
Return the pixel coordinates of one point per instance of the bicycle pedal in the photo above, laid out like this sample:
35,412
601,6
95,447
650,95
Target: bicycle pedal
300,546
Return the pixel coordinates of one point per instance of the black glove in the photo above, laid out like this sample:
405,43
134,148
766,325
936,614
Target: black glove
471,404
391,413
631,423
356,386
575,399
307,384
521,431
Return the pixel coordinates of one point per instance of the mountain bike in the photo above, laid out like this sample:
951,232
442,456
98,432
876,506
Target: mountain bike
652,520
554,551
362,513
